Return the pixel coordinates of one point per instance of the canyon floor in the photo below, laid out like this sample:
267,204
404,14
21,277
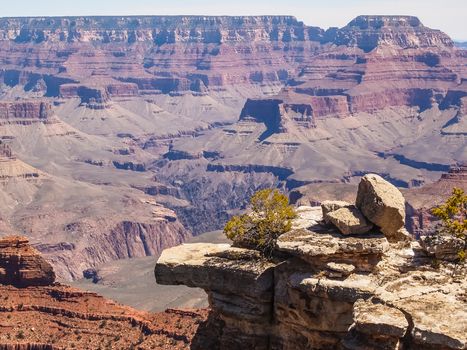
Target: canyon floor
131,282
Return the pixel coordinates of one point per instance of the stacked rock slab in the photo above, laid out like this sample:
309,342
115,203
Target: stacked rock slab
21,265
239,282
324,290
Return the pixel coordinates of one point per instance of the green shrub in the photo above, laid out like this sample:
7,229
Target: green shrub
270,216
453,216
20,335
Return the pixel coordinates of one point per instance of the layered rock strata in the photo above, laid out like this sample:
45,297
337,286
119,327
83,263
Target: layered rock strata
28,111
21,265
324,290
37,314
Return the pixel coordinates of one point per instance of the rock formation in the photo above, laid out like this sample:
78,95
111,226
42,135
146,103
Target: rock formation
47,317
24,111
23,266
326,290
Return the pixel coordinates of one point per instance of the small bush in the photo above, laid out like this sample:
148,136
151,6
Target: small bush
20,335
453,216
270,216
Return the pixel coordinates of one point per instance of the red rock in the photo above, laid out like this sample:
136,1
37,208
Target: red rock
59,317
21,265
38,110
421,200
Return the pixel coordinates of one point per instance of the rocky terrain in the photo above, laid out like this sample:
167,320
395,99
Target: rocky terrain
347,276
38,314
121,136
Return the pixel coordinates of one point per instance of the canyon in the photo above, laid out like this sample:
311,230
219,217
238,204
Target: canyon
123,136
39,314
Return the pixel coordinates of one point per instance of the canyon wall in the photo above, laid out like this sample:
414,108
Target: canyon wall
214,108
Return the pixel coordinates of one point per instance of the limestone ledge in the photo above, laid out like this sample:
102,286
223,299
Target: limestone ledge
294,303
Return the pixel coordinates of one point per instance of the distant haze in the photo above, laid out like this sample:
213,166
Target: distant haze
447,15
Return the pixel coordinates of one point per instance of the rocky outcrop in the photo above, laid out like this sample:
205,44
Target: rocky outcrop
32,306
13,168
324,290
91,97
97,95
24,111
275,114
23,266
29,319
368,32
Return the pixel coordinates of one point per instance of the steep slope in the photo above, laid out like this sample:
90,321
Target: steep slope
70,194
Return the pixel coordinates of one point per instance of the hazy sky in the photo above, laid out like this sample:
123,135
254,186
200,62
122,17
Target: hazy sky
447,15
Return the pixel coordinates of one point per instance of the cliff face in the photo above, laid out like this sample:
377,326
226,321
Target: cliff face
23,111
21,265
179,53
368,32
325,289
157,29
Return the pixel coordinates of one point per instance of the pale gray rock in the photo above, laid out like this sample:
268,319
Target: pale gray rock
349,220
383,299
383,204
217,267
336,270
372,318
330,206
306,217
318,246
443,246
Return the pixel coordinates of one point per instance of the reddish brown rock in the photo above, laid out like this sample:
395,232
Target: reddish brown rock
21,265
61,317
38,110
421,200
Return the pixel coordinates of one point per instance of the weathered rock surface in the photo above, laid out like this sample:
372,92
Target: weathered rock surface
373,318
24,111
330,206
376,326
320,245
349,221
21,265
60,317
443,246
324,291
383,204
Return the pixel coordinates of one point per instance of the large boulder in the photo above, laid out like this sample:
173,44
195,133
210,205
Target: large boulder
383,204
350,221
